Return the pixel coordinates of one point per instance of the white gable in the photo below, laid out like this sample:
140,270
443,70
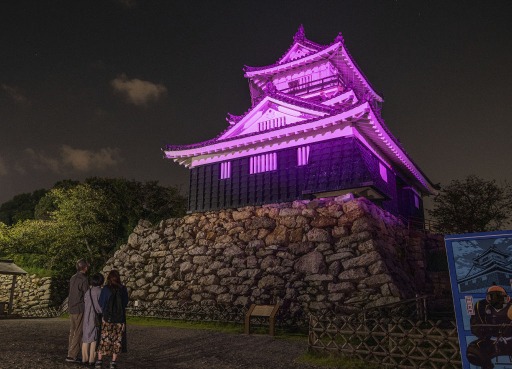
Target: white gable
296,52
270,114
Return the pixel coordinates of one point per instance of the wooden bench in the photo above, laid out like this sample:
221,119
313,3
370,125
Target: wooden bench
269,311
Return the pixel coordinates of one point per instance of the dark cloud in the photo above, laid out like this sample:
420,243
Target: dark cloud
3,167
15,94
69,159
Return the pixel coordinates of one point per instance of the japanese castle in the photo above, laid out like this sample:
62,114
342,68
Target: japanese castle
314,129
491,266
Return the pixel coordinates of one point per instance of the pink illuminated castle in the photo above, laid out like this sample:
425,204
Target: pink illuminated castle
314,130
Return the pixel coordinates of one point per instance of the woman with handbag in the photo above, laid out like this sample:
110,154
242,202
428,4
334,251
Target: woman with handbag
92,320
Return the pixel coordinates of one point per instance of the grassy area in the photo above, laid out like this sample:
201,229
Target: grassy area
313,358
39,272
334,361
212,326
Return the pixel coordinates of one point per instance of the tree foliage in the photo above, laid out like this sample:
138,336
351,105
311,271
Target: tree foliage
472,205
30,242
87,222
21,207
84,220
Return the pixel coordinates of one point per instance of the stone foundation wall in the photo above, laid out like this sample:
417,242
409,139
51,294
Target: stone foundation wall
342,253
30,292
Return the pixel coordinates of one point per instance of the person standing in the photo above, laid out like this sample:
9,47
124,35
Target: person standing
113,302
78,286
92,315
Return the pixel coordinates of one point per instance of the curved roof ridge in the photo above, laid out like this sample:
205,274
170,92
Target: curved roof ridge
359,69
399,144
248,68
234,118
299,38
273,92
301,102
216,139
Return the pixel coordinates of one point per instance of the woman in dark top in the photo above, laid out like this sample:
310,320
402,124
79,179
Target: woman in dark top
113,326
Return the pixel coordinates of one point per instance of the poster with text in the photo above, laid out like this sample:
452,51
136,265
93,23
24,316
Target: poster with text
480,266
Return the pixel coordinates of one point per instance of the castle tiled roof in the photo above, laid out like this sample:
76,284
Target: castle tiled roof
320,52
280,96
352,110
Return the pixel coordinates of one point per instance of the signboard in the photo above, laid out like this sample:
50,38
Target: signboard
480,266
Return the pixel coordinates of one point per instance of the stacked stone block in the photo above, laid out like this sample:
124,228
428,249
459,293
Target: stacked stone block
342,252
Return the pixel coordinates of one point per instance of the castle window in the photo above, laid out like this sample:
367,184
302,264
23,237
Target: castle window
383,172
302,155
225,170
416,201
263,163
272,123
293,84
306,80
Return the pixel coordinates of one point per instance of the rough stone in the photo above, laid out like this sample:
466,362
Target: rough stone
278,236
318,235
353,274
362,260
261,222
324,221
270,281
241,215
312,263
269,261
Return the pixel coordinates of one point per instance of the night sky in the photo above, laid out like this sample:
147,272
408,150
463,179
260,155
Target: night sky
97,88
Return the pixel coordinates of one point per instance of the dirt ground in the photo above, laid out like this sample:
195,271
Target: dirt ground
42,343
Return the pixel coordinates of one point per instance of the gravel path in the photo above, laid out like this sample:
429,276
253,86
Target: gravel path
42,343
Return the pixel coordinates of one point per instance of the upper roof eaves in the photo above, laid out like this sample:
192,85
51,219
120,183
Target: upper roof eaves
273,92
279,96
298,38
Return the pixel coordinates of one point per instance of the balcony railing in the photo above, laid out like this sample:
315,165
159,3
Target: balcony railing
313,86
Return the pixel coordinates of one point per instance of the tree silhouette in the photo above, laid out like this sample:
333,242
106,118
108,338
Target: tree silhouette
472,205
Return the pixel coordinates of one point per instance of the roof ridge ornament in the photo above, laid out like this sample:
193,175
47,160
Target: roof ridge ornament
339,38
300,36
232,118
270,88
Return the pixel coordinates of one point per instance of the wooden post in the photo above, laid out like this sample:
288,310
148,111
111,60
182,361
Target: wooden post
272,320
248,319
11,298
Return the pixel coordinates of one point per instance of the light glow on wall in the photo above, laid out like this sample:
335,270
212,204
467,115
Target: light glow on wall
225,170
383,172
263,163
302,155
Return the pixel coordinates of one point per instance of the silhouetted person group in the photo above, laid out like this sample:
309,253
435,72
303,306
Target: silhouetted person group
97,317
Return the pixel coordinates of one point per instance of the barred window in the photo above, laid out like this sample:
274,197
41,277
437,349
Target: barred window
302,155
225,170
263,163
272,123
